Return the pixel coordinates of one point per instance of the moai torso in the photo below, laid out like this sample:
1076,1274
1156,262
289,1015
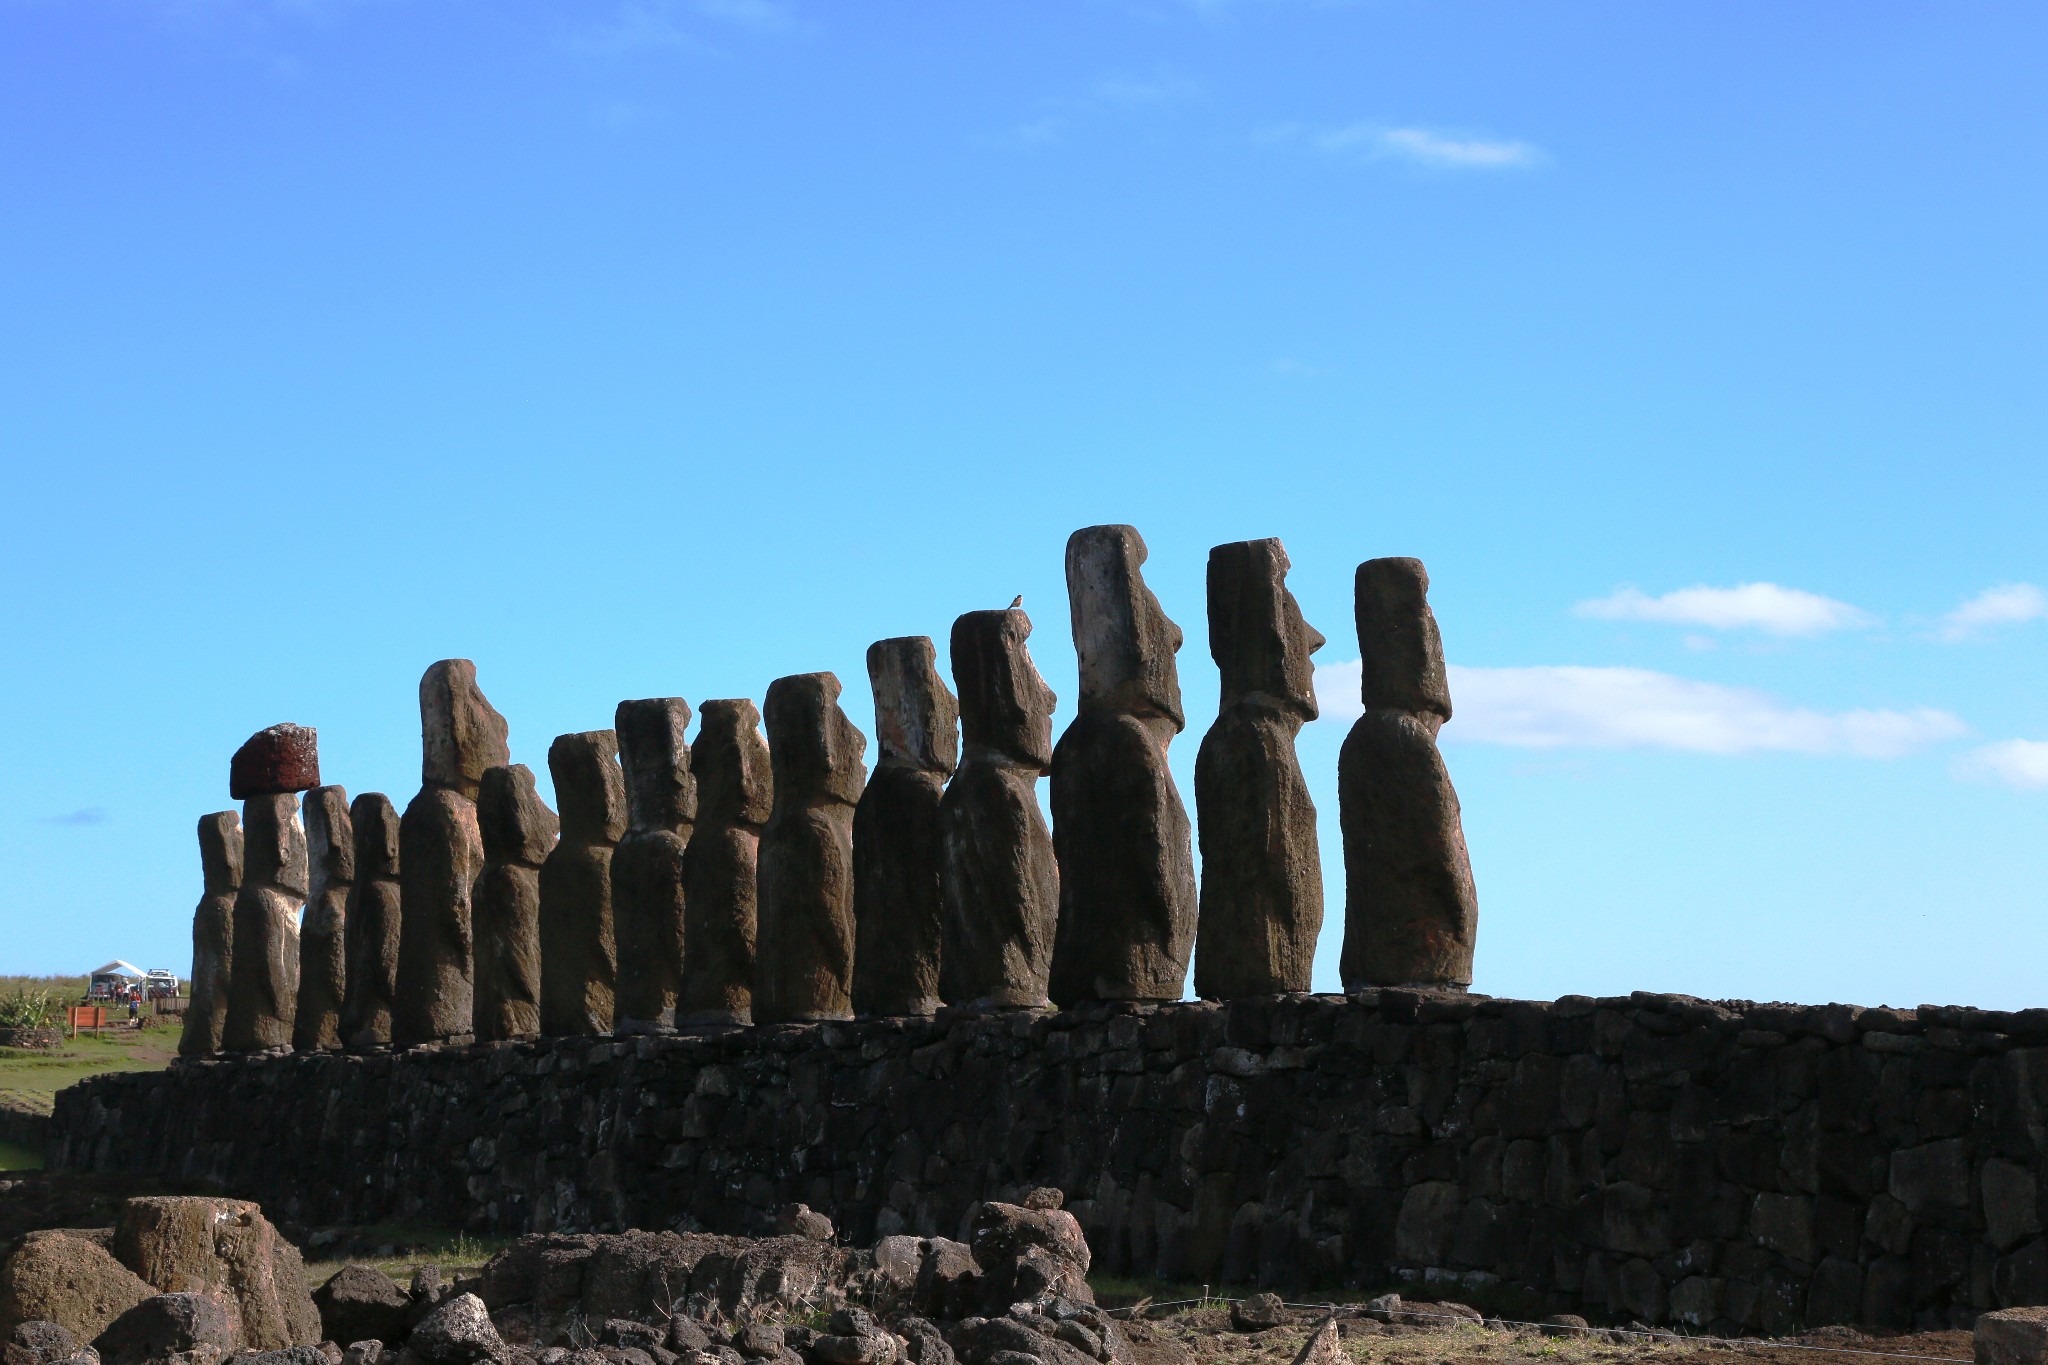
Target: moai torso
735,792
518,832
323,944
213,933
263,984
372,931
578,959
648,902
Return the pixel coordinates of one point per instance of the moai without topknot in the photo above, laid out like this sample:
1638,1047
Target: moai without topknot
1411,914
1127,866
440,854
896,841
648,902
735,794
323,929
1000,880
518,831
268,772
372,932
578,959
213,933
803,964
1262,877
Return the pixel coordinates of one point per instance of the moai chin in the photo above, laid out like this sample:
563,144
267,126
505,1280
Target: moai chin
648,902
1262,880
213,933
735,793
263,981
803,963
1126,855
323,928
578,959
518,832
440,854
372,931
1411,914
1000,881
896,841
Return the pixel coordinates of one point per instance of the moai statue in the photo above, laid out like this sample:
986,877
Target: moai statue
1410,911
213,933
268,772
440,854
803,963
1127,865
323,929
735,791
896,843
373,925
518,832
1262,876
1000,882
578,963
648,904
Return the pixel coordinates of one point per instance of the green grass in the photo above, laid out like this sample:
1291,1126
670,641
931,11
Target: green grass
413,1244
30,1079
15,1157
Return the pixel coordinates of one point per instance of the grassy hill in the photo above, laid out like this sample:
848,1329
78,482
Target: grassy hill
30,1080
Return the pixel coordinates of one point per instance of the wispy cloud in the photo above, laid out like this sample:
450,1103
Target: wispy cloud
84,815
1375,141
643,24
1746,606
1107,96
2021,763
2008,604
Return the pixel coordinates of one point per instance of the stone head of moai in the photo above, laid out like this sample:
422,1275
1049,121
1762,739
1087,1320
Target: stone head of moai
729,763
220,851
373,822
516,825
815,751
330,844
1005,707
274,845
590,788
1401,654
461,734
1262,646
273,761
918,719
1122,636
654,750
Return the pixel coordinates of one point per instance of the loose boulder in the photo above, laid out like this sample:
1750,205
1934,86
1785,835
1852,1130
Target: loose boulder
185,1244
61,1277
165,1325
459,1332
362,1303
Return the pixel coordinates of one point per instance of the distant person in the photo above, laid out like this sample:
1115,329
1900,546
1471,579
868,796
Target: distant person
134,1011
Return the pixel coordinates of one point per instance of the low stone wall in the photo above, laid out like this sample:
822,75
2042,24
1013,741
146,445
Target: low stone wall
1733,1166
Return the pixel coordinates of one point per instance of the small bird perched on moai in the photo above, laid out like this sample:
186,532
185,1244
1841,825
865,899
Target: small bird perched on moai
1017,602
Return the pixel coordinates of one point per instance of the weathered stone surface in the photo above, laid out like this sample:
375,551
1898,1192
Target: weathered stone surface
1262,876
1324,1347
1127,872
323,942
157,1327
999,878
372,930
735,794
803,967
2012,1336
649,911
362,1303
462,736
1411,914
182,1244
1029,1254
213,933
1257,1313
459,1332
896,835
578,955
275,762
518,832
62,1277
263,982
42,1341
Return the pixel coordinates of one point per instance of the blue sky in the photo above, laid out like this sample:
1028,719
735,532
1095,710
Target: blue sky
669,346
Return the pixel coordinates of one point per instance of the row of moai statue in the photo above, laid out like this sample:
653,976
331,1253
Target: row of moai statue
739,881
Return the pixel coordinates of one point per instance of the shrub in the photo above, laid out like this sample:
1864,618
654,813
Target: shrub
25,1010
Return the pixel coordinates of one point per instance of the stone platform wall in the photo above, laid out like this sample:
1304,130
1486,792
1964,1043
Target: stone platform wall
1738,1166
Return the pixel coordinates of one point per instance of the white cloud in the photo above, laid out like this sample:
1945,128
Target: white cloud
1754,606
1426,147
1609,708
2019,763
2007,604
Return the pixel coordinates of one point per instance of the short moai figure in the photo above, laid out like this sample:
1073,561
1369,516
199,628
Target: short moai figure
1411,914
263,982
1127,863
896,842
1262,875
1000,882
372,932
518,831
803,963
213,933
578,958
323,928
441,852
735,793
648,902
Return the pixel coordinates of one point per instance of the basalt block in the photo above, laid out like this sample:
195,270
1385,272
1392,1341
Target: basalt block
735,795
371,934
649,905
263,987
323,942
272,762
213,933
518,832
578,955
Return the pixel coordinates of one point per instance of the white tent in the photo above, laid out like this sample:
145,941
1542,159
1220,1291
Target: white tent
119,968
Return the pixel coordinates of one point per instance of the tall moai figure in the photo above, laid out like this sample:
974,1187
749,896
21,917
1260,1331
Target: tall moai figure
268,772
323,929
1262,876
648,901
578,959
518,832
803,963
1411,914
896,841
1127,864
213,933
440,853
372,932
1000,881
735,792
